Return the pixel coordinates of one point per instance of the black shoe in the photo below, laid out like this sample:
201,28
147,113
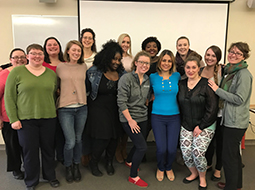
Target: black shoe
54,183
69,174
213,178
76,173
18,174
30,188
188,181
202,188
94,169
109,168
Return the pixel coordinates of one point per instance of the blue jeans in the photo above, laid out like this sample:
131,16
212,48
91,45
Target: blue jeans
166,131
72,121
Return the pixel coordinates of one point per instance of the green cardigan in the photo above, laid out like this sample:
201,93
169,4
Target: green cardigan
28,96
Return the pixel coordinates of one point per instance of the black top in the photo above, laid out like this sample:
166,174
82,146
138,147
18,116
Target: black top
198,106
103,117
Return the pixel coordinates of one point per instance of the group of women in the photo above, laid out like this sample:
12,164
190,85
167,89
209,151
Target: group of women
102,98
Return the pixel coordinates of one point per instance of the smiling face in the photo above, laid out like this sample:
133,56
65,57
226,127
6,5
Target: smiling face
18,58
87,40
235,55
35,57
52,47
116,61
210,58
152,48
125,44
142,64
182,47
192,69
74,53
166,63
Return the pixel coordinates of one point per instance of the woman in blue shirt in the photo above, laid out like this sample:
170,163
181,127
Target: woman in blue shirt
165,118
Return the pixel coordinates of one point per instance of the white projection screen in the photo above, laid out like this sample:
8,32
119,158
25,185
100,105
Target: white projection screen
205,24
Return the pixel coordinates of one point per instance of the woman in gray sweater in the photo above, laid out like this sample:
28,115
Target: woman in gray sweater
133,90
234,92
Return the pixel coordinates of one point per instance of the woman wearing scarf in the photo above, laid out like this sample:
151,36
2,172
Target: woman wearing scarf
234,92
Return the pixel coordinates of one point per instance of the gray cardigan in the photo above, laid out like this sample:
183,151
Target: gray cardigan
237,100
133,96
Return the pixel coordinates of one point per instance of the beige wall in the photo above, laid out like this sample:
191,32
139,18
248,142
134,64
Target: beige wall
241,26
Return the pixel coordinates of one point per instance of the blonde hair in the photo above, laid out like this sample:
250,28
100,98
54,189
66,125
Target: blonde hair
120,39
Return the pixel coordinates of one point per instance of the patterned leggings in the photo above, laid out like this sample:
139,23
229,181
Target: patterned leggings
194,148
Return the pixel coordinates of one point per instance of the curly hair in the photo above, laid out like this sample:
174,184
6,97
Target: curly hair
93,47
104,58
46,55
151,39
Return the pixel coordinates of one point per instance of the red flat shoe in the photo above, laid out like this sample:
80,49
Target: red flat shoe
139,182
130,166
221,185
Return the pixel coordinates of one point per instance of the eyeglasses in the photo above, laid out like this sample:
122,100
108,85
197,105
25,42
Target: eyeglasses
87,38
143,63
35,54
17,58
235,53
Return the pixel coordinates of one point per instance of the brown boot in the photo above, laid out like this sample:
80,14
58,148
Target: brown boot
85,160
118,153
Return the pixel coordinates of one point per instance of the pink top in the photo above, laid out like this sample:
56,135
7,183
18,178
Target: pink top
53,68
3,77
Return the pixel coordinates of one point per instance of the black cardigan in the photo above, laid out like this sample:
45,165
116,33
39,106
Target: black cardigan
198,106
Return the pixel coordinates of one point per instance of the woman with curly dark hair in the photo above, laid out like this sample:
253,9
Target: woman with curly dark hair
103,123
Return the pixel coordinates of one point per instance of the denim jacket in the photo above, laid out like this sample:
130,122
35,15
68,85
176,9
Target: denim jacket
93,79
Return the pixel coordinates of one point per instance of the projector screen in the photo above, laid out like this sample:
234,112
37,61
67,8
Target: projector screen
205,24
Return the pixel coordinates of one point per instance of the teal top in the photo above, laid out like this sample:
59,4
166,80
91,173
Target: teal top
28,96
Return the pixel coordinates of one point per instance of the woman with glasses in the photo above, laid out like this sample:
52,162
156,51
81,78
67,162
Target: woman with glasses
234,92
10,136
133,90
165,116
88,41
30,105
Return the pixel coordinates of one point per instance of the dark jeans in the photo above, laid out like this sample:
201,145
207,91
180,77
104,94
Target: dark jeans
166,131
231,158
140,146
59,142
38,134
216,145
12,147
72,121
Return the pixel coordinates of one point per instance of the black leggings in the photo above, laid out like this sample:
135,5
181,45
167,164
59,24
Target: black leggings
140,146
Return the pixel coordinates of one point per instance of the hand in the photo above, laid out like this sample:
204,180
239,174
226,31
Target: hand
213,85
196,131
16,125
1,124
134,127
